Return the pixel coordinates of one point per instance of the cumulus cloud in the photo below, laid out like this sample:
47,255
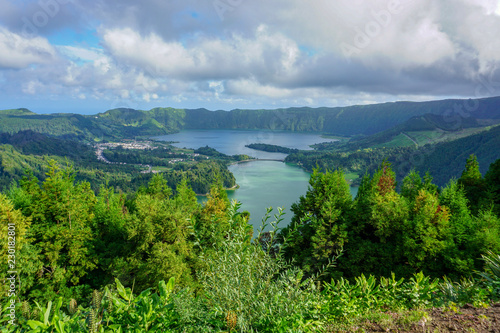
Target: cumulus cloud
391,42
32,18
205,58
18,52
257,52
248,87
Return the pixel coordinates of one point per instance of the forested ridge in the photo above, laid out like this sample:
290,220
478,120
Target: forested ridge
99,261
409,135
272,148
349,121
444,160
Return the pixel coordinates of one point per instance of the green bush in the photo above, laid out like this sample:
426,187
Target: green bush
344,301
250,290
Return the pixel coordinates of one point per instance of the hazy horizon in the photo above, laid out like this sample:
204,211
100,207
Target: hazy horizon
213,110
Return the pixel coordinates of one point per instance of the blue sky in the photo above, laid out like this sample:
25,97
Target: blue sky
91,56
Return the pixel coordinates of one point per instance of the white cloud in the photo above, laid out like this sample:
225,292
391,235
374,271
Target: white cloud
262,53
202,57
18,52
476,28
31,87
247,87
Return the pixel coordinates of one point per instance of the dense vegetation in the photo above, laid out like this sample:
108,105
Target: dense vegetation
353,120
111,125
158,157
200,176
421,229
357,161
417,131
97,241
272,148
208,151
31,150
99,261
443,160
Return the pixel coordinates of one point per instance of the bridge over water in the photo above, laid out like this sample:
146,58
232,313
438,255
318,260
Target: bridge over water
258,159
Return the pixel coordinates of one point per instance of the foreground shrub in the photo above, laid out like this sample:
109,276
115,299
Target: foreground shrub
343,300
250,290
246,286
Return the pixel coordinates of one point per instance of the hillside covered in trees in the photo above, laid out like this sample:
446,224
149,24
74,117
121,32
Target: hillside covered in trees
126,170
426,136
348,121
443,159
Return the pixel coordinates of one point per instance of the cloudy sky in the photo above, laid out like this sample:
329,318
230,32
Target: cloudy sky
88,56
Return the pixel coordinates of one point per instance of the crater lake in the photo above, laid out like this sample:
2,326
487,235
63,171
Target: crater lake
262,184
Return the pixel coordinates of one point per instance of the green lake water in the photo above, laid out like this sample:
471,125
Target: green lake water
262,183
268,184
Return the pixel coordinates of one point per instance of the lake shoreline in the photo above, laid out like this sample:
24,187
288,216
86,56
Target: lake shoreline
235,187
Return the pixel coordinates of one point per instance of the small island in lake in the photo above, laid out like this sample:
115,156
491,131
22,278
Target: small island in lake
272,148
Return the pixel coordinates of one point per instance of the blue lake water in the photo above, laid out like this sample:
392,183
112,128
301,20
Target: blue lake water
262,183
232,142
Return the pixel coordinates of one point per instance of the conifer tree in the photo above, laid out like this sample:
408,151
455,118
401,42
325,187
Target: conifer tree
212,222
61,230
376,226
159,232
473,183
460,252
492,180
16,251
318,230
111,216
426,233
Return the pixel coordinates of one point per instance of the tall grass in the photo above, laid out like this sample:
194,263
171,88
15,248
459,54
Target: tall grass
254,290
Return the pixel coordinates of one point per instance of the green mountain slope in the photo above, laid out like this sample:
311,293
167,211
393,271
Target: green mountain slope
421,130
346,121
446,160
16,112
352,120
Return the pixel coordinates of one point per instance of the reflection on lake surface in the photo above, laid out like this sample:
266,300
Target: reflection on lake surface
262,183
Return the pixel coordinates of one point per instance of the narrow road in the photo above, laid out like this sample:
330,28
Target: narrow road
409,137
100,157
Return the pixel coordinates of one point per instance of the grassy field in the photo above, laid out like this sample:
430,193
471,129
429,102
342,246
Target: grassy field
399,141
351,176
161,169
428,137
